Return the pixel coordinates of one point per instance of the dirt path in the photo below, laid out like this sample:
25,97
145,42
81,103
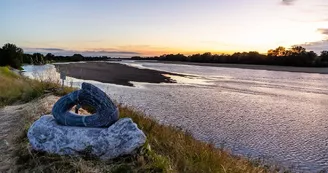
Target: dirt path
12,124
6,129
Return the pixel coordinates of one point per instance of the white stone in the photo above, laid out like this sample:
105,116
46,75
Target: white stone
121,138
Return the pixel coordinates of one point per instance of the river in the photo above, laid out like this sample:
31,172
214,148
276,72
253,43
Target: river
279,117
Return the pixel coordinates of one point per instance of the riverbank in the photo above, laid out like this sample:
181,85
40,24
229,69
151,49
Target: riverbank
113,73
321,70
167,149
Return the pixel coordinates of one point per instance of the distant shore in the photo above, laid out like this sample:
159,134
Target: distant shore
321,70
113,73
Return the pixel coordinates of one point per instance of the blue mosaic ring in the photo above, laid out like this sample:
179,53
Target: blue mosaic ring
106,111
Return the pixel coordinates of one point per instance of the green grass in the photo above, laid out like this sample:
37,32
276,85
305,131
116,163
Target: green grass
144,160
17,89
167,149
185,154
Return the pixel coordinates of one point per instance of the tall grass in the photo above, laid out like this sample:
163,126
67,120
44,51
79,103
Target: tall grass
15,88
167,149
184,152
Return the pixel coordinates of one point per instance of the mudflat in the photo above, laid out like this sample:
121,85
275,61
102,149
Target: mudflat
113,73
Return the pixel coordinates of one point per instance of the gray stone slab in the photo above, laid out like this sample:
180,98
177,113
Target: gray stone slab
121,138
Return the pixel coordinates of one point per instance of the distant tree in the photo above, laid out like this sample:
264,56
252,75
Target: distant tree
324,53
256,58
312,54
196,58
49,57
105,57
271,52
28,59
77,57
298,50
295,56
136,58
172,57
307,58
324,56
289,53
38,59
279,51
11,55
207,57
2,59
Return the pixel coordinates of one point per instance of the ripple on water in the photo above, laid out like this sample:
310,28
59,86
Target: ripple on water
278,116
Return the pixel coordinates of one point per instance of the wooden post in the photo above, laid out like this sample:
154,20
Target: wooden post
63,78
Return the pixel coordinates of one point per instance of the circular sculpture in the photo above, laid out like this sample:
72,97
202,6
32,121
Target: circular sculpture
106,111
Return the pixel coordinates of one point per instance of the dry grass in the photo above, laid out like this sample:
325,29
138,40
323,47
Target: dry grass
18,89
144,160
184,152
167,149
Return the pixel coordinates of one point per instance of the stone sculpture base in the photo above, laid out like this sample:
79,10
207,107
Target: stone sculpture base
121,138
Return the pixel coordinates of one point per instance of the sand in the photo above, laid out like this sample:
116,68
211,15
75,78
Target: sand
113,73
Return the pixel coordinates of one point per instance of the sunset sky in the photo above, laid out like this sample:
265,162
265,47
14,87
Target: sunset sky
152,27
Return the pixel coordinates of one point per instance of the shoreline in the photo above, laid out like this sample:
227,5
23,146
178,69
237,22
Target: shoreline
168,149
114,73
320,70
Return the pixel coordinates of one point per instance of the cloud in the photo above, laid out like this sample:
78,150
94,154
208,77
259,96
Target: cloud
316,46
64,52
323,31
288,2
112,52
51,49
309,20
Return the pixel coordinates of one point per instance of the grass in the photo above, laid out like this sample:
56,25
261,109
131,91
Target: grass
167,149
15,88
185,154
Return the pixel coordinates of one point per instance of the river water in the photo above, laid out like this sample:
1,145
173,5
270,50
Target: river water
279,117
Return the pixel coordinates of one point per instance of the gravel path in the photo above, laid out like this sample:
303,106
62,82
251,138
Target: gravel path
11,125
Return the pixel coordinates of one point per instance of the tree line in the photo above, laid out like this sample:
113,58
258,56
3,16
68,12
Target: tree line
11,55
295,56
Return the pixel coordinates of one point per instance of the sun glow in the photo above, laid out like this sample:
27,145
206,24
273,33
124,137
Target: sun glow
147,28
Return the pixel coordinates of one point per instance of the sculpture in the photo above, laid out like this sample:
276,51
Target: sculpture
65,132
106,111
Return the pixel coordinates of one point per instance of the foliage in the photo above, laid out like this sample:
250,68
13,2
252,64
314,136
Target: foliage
295,56
14,56
75,58
11,55
324,57
38,59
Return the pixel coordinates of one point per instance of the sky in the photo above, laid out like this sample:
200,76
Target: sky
125,28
